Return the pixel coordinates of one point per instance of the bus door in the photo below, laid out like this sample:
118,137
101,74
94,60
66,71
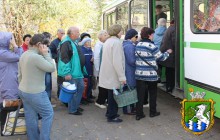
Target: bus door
173,10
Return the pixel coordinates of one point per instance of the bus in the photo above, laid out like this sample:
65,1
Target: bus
197,52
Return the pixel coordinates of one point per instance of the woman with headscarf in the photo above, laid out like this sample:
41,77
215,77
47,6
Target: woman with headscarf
112,71
9,57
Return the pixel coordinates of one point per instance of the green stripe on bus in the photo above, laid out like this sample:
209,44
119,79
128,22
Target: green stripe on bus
200,45
204,45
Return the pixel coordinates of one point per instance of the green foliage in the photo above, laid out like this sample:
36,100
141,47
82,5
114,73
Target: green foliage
36,16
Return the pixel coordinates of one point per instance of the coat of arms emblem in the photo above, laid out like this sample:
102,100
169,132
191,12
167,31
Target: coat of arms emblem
197,113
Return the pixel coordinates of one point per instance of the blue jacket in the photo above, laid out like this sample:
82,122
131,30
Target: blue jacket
150,53
53,48
129,51
88,53
158,35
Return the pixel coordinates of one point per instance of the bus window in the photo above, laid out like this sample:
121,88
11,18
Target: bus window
122,16
139,14
105,22
206,16
109,20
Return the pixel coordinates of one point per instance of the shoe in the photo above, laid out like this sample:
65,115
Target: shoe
83,102
76,113
66,104
154,114
80,109
131,113
106,115
169,90
147,105
160,84
92,97
100,106
89,101
140,117
116,120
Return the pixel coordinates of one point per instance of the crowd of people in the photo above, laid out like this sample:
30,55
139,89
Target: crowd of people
26,71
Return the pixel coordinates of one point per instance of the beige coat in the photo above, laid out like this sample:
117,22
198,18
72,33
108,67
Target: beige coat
112,70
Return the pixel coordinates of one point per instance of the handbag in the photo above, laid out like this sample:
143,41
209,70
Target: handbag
127,97
146,62
12,118
11,102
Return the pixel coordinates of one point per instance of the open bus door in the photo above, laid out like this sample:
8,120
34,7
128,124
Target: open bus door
173,10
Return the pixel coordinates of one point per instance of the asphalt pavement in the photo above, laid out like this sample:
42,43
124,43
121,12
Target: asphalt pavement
92,125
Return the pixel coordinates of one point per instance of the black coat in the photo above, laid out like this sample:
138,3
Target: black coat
168,42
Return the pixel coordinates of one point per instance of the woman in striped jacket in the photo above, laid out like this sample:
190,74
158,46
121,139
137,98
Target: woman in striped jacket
147,55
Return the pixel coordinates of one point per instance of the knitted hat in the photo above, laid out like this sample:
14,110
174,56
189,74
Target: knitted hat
130,34
84,35
85,40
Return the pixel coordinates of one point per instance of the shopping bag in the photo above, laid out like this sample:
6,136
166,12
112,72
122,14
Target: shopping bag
126,97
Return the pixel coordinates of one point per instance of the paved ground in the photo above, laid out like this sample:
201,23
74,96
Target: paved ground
92,124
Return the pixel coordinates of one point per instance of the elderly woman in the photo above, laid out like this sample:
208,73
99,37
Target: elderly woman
129,52
8,66
103,93
159,32
33,66
147,55
112,71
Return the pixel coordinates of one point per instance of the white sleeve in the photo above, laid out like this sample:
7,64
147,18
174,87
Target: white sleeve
97,56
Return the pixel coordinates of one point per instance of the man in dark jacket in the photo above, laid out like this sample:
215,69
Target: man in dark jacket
168,42
53,48
54,44
71,67
160,13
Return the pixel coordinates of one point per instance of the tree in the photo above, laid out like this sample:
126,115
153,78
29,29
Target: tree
31,16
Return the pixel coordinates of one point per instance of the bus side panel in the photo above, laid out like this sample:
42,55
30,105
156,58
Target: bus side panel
209,95
202,65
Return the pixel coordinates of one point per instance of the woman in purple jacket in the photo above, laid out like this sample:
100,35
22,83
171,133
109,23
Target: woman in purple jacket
8,66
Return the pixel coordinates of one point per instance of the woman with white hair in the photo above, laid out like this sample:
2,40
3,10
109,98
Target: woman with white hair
159,32
103,93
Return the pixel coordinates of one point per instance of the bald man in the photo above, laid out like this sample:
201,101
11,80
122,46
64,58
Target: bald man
54,44
71,67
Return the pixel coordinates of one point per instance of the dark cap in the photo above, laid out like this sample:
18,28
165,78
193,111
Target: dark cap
84,35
